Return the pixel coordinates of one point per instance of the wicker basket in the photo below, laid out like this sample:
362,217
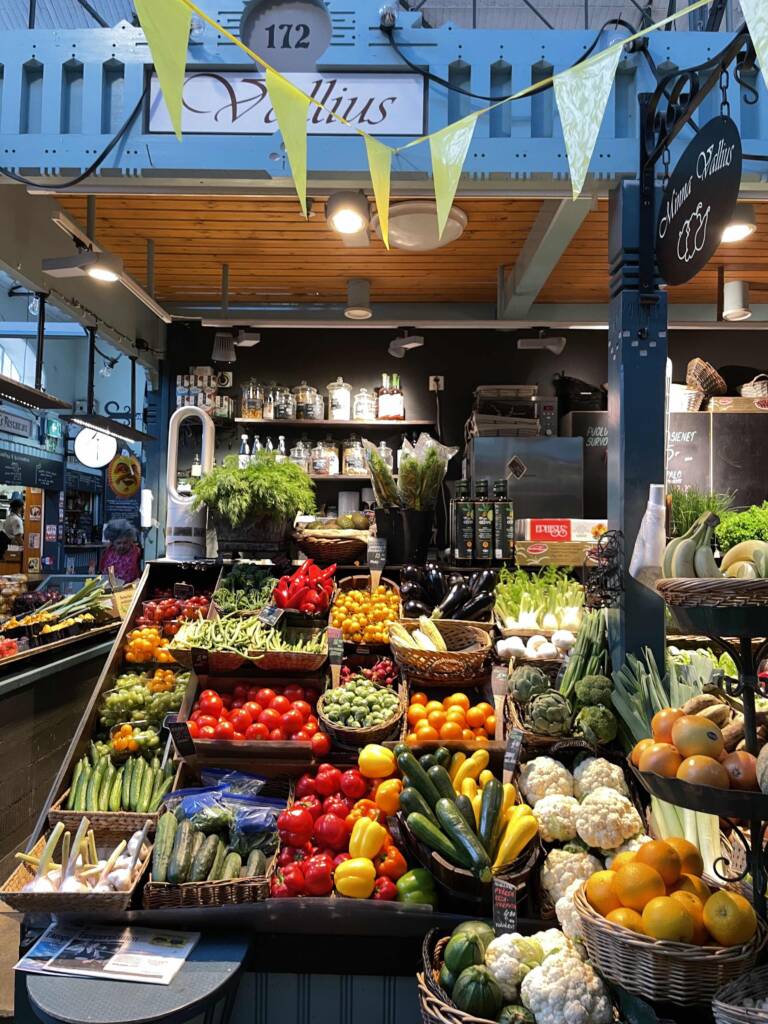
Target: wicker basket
670,972
755,388
533,742
347,737
715,593
685,399
464,663
66,902
701,376
727,1007
121,822
434,1003
342,550
160,895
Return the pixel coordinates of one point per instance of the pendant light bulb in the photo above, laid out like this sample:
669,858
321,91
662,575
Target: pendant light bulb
358,299
742,224
736,301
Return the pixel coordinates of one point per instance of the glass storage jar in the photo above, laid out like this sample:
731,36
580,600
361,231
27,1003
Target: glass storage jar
305,397
324,460
387,455
252,401
353,459
339,400
269,402
285,404
364,406
300,455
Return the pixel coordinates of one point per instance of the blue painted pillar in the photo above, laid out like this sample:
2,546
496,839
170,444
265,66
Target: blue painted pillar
637,355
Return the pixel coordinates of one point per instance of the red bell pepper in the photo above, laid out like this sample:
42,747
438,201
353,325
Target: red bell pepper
327,780
384,889
337,804
312,804
295,826
305,785
331,831
353,785
293,877
318,875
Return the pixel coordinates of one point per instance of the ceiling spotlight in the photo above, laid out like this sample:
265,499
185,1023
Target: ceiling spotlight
742,223
223,348
543,342
347,213
404,342
105,268
736,301
358,299
247,339
101,266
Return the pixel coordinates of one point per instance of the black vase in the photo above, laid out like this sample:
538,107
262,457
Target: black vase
406,532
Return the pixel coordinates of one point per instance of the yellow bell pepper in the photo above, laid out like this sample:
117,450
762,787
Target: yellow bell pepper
355,877
519,832
457,761
471,768
469,788
485,777
376,762
367,839
388,796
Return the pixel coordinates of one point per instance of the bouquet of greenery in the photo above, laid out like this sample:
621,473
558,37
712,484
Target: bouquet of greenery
421,474
265,489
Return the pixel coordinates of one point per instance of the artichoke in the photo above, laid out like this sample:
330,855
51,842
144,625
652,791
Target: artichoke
527,681
549,714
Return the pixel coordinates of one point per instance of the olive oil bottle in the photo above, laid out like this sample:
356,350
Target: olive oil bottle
503,524
462,524
483,554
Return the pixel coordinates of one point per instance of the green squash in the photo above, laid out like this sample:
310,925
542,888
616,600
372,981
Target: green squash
477,992
463,950
446,980
515,1013
481,928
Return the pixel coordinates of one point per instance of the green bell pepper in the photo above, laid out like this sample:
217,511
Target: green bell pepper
417,886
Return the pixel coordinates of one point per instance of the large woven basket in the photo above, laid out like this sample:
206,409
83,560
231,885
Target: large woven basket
347,737
670,972
755,388
534,743
342,550
122,822
465,662
715,593
159,895
435,1004
727,1005
702,376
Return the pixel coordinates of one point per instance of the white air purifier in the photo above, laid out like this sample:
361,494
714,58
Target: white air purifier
185,529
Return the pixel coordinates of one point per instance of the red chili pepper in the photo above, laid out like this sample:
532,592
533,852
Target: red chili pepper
326,574
384,889
295,598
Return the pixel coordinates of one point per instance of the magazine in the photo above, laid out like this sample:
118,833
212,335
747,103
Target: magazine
151,955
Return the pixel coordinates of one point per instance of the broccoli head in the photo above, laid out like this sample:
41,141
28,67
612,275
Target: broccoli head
594,690
597,724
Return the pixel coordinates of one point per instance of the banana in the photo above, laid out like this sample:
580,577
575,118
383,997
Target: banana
682,559
675,543
704,562
760,558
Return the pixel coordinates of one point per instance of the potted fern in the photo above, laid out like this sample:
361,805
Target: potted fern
254,507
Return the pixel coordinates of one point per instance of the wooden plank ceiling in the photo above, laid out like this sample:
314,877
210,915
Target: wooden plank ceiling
275,256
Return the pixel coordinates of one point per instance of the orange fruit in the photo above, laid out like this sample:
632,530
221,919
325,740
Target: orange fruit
695,908
415,713
638,749
637,884
742,769
621,859
437,719
666,918
662,722
600,893
475,717
704,771
693,884
490,726
457,700
467,734
427,733
481,739
418,698
661,759
455,715
690,858
434,705
626,918
662,857
729,918
450,731
411,739
695,734
486,708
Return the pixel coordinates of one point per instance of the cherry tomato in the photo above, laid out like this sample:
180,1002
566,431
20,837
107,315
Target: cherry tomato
264,696
225,730
280,704
302,734
321,744
211,703
240,719
237,703
310,728
291,722
208,693
239,736
257,731
303,708
226,699
277,734
207,732
193,728
270,718
253,693
294,692
253,708
241,692
207,720
196,713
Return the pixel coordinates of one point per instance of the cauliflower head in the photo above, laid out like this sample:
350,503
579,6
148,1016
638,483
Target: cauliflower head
556,815
555,943
605,819
567,917
509,958
562,868
630,846
543,776
565,988
594,772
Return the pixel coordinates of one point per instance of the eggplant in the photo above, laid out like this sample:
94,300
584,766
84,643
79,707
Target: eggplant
477,608
412,609
412,589
456,598
412,572
434,584
483,582
455,577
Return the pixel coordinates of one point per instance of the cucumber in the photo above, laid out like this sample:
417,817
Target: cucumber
436,840
105,789
145,793
441,780
202,861
78,803
411,800
231,866
161,854
181,854
218,862
458,831
155,763
418,778
465,806
125,794
427,761
490,808
197,841
256,864
168,769
136,782
94,754
94,787
443,756
78,771
159,795
114,793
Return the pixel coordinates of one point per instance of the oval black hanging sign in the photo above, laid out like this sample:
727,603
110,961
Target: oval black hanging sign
699,201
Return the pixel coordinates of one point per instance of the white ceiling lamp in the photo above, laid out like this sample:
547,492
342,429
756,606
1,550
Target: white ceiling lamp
347,213
413,226
100,266
736,301
404,342
223,348
742,224
358,299
543,342
247,339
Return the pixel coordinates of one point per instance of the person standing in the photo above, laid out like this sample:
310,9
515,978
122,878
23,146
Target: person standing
122,553
13,524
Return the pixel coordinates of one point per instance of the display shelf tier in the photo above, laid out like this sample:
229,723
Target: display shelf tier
727,803
747,620
360,424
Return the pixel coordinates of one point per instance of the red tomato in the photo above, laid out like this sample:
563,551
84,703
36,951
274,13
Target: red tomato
291,722
195,715
294,692
321,744
211,703
311,696
303,708
226,699
257,731
253,692
302,734
207,732
264,696
277,734
237,703
280,704
310,727
207,720
239,736
253,708
225,730
241,692
193,729
270,718
240,719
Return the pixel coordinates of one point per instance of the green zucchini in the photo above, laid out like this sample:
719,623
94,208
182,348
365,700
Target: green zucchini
441,780
94,787
401,748
427,761
455,827
94,754
159,795
465,806
436,840
490,808
203,858
78,803
231,866
137,780
411,800
78,771
418,778
105,789
145,793
155,763
125,794
181,854
443,756
218,862
256,864
168,769
114,793
161,854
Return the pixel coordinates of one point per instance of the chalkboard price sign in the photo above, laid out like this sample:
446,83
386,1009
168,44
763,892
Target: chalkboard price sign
335,645
377,553
513,751
271,615
182,740
504,906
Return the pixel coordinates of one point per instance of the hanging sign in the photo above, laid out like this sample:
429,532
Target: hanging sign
15,423
699,201
290,34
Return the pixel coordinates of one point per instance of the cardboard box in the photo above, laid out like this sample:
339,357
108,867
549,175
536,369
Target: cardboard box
560,531
727,403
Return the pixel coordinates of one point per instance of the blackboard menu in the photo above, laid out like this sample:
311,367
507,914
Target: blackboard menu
688,448
739,442
31,471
